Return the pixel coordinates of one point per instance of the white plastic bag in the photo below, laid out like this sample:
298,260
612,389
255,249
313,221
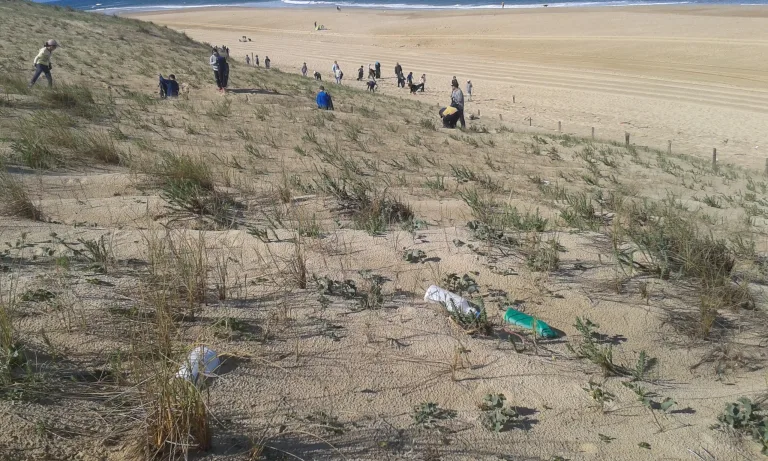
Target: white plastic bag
201,361
450,300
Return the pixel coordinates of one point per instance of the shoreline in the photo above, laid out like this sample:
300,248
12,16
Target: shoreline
404,8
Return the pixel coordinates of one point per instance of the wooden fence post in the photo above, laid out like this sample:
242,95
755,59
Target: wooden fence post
714,158
559,127
766,166
593,132
626,138
669,147
513,99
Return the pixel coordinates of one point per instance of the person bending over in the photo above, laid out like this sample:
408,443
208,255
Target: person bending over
324,100
318,76
372,85
450,116
457,101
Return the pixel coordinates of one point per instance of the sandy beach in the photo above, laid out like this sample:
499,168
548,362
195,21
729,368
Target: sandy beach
696,76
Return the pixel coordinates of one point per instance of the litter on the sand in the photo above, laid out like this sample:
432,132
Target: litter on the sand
201,358
524,320
450,300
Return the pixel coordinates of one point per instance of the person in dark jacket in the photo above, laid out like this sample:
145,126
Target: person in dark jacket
324,100
400,80
169,88
398,69
267,62
372,85
360,73
450,116
378,70
409,79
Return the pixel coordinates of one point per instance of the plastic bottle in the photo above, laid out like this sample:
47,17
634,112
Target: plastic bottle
201,358
450,300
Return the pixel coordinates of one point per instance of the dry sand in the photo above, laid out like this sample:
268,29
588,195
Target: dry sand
697,76
369,368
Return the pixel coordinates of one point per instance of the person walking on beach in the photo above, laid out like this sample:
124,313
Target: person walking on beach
43,63
215,63
457,101
247,60
378,70
304,69
423,82
338,75
409,79
455,82
266,62
360,73
371,72
256,61
398,70
469,90
334,67
401,80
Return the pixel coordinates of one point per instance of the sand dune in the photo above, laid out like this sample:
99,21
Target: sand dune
694,75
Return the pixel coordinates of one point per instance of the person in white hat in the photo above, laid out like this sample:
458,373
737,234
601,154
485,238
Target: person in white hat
43,62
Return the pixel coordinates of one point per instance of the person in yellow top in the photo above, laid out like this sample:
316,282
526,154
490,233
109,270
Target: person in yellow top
43,62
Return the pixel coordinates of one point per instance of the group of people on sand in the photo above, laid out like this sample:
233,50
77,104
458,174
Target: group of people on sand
254,60
218,61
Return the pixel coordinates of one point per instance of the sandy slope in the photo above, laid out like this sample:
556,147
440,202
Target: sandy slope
697,76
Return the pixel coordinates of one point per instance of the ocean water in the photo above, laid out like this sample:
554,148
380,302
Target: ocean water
116,6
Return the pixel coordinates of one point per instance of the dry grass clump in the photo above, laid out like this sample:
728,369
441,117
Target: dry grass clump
371,210
99,146
76,99
14,200
668,244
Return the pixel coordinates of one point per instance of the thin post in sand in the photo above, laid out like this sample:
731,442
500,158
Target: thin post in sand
559,127
766,167
714,158
669,147
626,138
593,132
513,99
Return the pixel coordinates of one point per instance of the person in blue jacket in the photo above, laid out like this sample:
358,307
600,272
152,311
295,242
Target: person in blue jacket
169,87
324,100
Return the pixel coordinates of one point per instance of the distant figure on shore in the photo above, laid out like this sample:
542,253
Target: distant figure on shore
215,62
371,72
409,79
423,82
324,100
398,69
256,61
247,60
334,68
360,73
266,62
455,81
469,90
502,5
372,85
401,80
318,76
450,116
304,69
338,8
43,63
378,70
169,88
457,101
